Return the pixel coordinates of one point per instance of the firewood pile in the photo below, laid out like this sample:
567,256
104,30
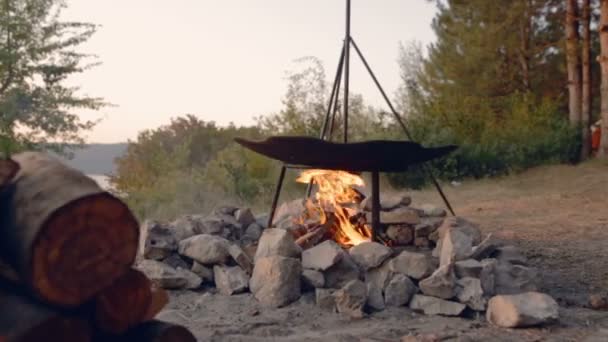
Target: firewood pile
66,260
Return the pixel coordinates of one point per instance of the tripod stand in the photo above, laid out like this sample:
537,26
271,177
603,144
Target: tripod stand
343,74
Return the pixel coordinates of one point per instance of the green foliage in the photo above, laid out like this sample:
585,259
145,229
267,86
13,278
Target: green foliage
37,55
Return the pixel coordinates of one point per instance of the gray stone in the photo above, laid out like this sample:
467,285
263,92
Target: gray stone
487,277
399,291
202,271
375,297
455,246
424,229
225,210
262,220
510,254
468,268
176,261
241,258
312,279
369,254
157,241
388,203
187,226
168,277
441,284
430,210
435,306
291,210
422,242
276,280
522,310
325,299
322,256
253,232
459,223
244,216
469,292
401,215
351,299
230,280
415,265
485,249
514,279
206,249
401,235
277,242
342,272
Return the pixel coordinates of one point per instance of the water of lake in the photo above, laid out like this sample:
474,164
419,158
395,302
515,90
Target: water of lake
102,180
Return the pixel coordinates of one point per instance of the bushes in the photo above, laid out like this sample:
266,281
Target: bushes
535,133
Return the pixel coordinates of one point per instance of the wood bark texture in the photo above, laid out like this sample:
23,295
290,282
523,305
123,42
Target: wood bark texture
64,236
586,87
573,62
603,28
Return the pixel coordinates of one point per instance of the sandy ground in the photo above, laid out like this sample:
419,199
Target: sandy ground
559,217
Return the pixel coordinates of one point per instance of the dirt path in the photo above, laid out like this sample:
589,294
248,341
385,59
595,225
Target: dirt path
557,215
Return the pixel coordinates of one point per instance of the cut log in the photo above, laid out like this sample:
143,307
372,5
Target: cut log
64,236
23,320
123,304
8,169
155,331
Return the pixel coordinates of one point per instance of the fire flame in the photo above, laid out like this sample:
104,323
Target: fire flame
335,190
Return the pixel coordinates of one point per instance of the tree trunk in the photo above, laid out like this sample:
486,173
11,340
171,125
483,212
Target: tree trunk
573,62
123,304
523,54
586,72
8,170
603,28
22,319
64,237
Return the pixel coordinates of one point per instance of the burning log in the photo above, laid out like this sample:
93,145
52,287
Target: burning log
129,301
64,237
22,319
155,331
8,169
313,237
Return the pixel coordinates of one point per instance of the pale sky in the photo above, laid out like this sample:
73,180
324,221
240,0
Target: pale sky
225,60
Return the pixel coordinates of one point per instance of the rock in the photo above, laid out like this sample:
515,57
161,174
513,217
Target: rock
424,229
469,292
241,258
522,310
202,271
399,291
435,306
230,280
422,242
214,226
276,280
459,223
322,256
312,279
598,302
375,297
430,210
157,241
400,215
414,265
485,249
510,254
187,226
369,254
486,276
277,242
441,284
387,203
206,249
253,232
325,299
342,272
401,235
514,279
351,299
262,220
168,277
468,268
455,246
176,261
244,216
293,209
225,210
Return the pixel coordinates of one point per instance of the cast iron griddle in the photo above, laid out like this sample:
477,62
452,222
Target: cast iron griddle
374,155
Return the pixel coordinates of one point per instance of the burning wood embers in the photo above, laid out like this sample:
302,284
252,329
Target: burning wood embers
66,256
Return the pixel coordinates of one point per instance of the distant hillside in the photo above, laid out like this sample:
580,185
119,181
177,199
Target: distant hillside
97,159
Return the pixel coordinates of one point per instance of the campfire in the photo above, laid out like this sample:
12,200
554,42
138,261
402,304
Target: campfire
335,204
